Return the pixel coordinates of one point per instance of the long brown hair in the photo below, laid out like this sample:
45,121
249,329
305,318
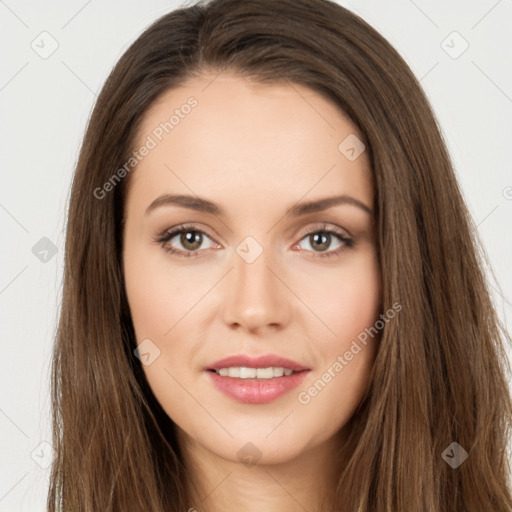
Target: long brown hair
440,375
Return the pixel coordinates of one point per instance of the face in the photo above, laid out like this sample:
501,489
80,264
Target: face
241,269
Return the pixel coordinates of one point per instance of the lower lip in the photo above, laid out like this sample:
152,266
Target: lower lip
257,391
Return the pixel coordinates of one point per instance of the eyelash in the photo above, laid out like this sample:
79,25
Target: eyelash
169,235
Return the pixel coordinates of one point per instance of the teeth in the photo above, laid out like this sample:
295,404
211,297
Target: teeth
233,372
277,372
247,373
242,372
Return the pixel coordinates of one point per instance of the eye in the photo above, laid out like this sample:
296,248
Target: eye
321,238
189,237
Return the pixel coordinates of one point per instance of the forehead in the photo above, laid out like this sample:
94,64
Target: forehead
220,135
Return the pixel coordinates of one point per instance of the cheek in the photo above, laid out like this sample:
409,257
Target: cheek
163,300
159,295
159,300
347,300
350,306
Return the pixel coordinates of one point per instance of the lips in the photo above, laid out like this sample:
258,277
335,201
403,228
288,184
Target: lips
256,390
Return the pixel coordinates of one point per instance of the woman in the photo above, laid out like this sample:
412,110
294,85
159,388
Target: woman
273,294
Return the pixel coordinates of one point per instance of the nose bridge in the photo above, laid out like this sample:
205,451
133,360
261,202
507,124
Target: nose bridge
255,297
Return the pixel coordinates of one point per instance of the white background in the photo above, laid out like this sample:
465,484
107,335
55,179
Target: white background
44,106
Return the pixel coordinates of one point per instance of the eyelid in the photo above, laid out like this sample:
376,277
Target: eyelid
188,226
325,226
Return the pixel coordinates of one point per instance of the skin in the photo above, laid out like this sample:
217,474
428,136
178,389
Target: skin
254,150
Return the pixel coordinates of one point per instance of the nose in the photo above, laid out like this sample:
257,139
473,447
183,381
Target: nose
255,297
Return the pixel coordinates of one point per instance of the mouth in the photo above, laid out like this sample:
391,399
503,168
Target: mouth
256,380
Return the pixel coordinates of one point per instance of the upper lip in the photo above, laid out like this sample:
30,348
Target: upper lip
265,361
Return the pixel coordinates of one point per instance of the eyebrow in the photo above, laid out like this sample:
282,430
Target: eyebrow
204,205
